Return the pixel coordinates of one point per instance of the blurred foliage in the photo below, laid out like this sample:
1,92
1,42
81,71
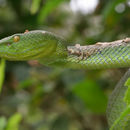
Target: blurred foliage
13,122
2,72
35,97
127,96
2,123
93,97
125,113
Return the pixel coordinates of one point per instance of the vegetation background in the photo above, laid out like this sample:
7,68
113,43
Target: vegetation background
36,97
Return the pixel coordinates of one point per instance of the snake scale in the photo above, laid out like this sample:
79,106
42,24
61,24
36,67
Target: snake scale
51,50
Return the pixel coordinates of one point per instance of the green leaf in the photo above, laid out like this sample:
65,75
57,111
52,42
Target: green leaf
91,94
61,123
35,6
127,95
2,72
123,120
49,6
127,83
13,122
2,123
110,16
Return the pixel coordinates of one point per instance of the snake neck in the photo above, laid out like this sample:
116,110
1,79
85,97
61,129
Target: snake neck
57,58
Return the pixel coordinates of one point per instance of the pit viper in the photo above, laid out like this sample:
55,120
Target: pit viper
52,50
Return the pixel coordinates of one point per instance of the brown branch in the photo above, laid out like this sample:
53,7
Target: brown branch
88,50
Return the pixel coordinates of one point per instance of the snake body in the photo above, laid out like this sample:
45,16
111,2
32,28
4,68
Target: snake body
51,50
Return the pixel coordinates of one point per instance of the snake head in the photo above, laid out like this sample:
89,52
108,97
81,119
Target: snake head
28,46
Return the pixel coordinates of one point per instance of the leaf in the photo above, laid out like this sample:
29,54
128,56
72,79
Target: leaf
35,6
61,123
2,72
127,95
110,16
49,6
14,121
2,123
123,120
91,94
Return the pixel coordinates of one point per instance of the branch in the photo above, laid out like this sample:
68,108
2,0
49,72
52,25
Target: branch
91,49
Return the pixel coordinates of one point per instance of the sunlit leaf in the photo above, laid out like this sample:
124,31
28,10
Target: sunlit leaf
2,72
123,120
2,123
13,122
35,6
127,95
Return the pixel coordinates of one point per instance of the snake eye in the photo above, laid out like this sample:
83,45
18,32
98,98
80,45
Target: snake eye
16,38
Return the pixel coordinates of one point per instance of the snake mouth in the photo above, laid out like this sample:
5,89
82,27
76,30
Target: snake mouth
42,51
4,42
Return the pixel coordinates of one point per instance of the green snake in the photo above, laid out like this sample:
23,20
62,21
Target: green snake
51,50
